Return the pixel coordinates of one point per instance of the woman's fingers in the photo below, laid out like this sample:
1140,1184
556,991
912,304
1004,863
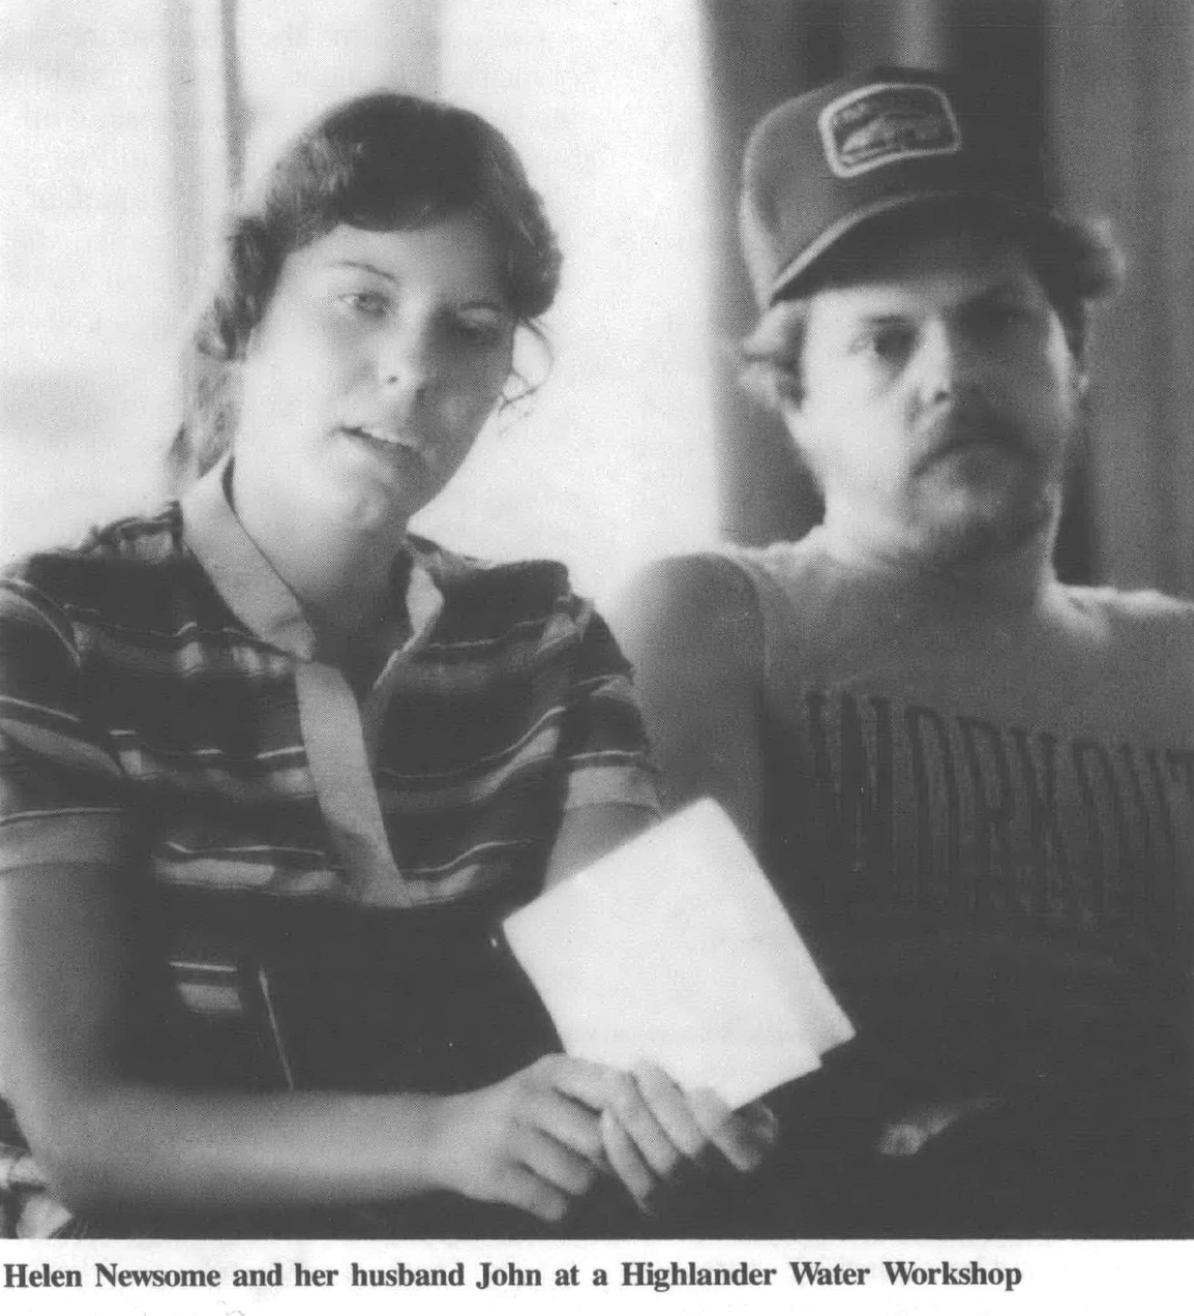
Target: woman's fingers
639,1121
527,1191
560,1166
627,1162
575,1093
572,1126
671,1110
651,1133
583,1080
743,1137
699,1126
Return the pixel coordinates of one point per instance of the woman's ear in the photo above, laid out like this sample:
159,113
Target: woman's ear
531,361
247,345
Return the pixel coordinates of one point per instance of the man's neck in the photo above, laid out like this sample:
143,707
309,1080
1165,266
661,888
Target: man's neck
984,576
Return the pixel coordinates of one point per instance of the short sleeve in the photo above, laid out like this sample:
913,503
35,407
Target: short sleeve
604,744
61,789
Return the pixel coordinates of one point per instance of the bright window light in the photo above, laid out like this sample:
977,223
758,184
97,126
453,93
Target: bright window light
614,462
87,266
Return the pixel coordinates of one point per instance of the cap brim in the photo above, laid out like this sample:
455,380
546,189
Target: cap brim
883,206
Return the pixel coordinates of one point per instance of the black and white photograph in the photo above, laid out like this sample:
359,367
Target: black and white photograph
596,647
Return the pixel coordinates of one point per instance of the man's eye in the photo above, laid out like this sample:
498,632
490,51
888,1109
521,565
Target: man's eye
887,343
998,317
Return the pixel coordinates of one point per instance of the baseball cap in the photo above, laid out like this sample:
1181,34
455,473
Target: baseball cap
822,163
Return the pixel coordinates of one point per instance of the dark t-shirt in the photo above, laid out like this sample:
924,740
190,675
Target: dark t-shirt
983,821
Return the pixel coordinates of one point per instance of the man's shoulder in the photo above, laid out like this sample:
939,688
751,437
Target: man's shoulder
694,591
1144,614
726,600
730,575
1147,640
693,613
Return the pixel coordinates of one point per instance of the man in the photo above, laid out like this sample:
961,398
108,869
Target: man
971,784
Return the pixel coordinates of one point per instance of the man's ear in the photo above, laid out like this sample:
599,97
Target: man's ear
804,448
796,421
792,415
1079,375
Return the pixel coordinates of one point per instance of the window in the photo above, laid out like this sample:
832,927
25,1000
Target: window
614,463
88,265
117,126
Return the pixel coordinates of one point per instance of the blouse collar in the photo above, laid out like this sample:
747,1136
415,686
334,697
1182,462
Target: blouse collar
253,589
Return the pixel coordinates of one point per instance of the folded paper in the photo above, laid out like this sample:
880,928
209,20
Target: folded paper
674,948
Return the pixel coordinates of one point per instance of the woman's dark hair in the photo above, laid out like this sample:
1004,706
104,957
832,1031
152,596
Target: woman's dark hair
1077,263
384,161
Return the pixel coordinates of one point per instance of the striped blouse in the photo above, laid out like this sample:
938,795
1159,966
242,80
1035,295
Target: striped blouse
162,701
164,710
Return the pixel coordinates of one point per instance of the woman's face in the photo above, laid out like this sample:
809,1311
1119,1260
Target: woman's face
376,364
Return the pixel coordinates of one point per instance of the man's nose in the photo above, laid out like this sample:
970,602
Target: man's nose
945,362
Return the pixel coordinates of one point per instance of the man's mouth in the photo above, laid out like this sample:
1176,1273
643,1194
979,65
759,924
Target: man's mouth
963,436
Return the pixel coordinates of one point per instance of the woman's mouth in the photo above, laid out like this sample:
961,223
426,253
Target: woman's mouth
384,440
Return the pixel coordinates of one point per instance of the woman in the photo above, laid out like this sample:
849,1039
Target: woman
273,768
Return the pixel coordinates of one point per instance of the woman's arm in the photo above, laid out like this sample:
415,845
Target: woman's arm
106,1141
657,1138
587,834
690,629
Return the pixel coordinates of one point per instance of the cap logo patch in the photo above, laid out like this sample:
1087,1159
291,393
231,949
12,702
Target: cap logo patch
885,123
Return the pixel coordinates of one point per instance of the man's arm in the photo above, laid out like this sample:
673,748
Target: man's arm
692,631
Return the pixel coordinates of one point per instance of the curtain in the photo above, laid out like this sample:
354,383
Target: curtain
1121,109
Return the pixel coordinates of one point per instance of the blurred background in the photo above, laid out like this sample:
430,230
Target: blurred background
126,124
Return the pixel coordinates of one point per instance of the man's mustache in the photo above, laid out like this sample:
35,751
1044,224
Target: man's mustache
961,428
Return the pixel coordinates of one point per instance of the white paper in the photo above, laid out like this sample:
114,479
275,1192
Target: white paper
674,948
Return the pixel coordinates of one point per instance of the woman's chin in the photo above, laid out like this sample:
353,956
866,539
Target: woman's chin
366,505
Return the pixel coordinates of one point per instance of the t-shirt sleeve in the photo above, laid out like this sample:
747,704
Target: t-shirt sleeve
61,788
604,744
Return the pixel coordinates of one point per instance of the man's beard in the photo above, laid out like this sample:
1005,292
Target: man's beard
1003,519
968,541
971,424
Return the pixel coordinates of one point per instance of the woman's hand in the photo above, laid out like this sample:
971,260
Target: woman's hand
532,1141
660,1139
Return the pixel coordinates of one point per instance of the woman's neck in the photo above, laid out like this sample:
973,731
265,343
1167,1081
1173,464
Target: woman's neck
337,563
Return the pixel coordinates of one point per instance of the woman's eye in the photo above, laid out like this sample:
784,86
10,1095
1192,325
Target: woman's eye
477,333
365,303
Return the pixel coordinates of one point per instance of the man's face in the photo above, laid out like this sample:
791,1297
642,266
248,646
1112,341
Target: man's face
939,399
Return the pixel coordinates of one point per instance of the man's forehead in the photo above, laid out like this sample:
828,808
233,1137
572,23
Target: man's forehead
946,268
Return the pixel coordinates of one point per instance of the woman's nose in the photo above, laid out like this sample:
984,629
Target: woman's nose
406,359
